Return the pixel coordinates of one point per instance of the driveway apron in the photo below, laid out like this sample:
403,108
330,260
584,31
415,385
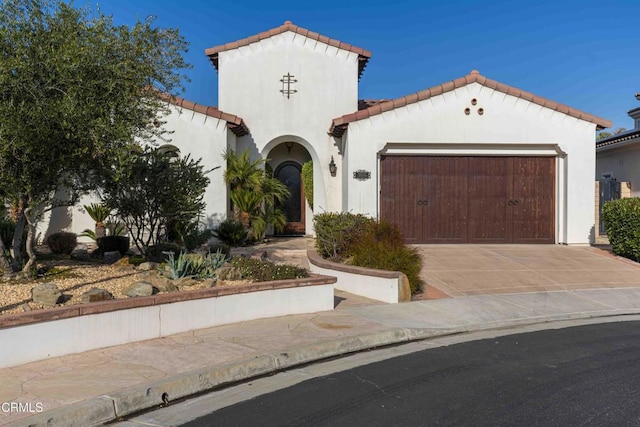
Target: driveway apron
459,270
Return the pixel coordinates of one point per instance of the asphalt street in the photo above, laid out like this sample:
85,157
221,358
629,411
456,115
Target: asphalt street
587,375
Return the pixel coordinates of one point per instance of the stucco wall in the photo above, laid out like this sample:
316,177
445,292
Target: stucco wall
508,126
327,87
623,164
204,137
193,133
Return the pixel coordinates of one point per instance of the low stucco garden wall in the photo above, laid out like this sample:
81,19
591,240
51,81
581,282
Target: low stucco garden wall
386,286
38,335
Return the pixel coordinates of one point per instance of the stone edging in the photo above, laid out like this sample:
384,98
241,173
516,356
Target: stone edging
57,313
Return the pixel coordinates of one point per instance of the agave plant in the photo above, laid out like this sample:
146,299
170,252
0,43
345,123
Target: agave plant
99,212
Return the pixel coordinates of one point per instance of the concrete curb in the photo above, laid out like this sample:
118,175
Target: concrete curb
106,408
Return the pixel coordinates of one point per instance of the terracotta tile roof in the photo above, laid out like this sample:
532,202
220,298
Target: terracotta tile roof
363,104
363,55
616,139
340,124
235,123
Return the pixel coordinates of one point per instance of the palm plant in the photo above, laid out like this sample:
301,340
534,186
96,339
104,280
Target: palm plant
254,193
99,212
247,204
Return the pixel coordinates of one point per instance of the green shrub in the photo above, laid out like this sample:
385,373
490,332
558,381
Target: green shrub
222,247
197,237
7,227
622,219
62,242
381,246
336,232
231,232
262,271
307,181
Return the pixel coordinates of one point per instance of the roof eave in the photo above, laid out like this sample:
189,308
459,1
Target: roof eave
363,55
473,77
234,123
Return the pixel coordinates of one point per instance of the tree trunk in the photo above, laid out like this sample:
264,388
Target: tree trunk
245,220
100,230
16,250
31,232
5,265
30,252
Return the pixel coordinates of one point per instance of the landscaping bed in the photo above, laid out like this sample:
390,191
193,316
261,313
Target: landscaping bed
73,278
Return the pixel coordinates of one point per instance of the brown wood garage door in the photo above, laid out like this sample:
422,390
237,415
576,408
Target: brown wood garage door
469,199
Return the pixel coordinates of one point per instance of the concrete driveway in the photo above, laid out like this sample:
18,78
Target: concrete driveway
458,270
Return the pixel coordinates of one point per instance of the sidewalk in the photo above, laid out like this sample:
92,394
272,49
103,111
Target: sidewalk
101,385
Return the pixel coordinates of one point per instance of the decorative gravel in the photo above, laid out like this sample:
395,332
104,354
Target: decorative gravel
74,279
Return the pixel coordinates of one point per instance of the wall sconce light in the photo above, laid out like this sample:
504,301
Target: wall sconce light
289,146
332,167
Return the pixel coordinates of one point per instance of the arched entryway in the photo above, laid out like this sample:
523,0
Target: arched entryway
289,173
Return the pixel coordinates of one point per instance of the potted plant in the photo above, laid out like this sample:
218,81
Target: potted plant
99,212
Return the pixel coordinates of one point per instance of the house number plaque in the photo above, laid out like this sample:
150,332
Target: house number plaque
362,175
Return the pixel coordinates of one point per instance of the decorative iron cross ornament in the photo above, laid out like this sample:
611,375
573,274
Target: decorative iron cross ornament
287,81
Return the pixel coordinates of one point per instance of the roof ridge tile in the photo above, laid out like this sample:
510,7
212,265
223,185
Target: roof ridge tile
338,127
364,55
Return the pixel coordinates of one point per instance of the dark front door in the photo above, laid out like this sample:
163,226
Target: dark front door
469,199
294,208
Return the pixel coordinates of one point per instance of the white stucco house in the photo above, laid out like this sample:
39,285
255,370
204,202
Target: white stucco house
618,157
470,160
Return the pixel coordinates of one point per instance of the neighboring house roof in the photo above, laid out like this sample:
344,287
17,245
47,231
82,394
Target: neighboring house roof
235,123
339,125
363,55
618,139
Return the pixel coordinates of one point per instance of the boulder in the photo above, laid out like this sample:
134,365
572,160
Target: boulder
138,289
46,294
111,257
158,281
96,294
229,272
185,282
80,252
148,266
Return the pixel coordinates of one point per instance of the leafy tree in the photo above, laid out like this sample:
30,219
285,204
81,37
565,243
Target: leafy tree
153,192
75,92
254,193
604,134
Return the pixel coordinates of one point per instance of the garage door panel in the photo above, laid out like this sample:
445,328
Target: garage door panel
447,179
489,186
470,199
534,197
399,176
